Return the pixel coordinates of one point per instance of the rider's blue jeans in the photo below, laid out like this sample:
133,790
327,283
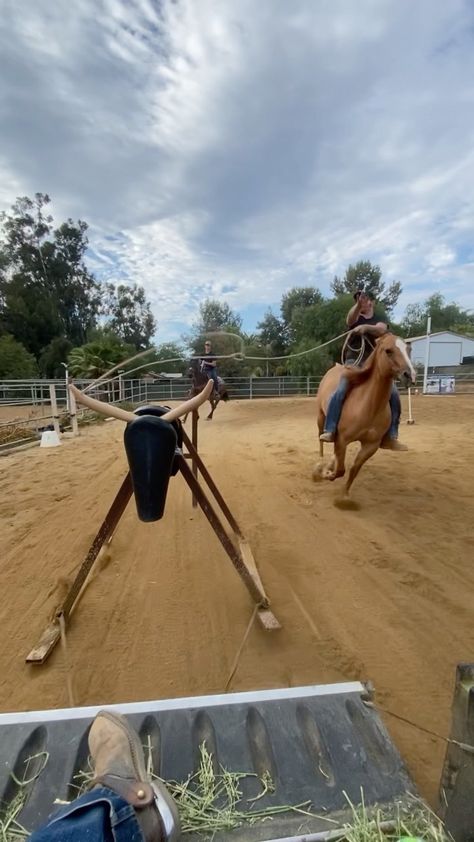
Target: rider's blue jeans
212,374
97,816
336,403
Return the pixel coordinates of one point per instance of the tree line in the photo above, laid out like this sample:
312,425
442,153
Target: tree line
52,308
54,311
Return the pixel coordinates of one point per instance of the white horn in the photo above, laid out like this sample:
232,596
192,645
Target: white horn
191,404
111,411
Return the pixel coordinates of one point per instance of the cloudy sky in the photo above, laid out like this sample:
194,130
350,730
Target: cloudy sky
236,148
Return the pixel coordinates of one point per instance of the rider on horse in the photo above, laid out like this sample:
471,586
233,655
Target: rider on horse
209,365
363,322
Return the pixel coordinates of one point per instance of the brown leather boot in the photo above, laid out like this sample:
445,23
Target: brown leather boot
119,765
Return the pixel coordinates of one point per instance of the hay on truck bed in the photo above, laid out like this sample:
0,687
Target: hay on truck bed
210,801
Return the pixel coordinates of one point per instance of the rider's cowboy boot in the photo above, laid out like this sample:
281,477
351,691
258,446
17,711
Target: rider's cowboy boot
119,765
327,437
392,444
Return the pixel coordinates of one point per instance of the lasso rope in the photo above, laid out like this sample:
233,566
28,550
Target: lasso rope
360,352
240,356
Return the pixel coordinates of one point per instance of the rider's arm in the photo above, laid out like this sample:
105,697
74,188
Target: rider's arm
373,330
353,314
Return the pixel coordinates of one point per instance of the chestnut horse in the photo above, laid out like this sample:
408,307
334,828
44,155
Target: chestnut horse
366,412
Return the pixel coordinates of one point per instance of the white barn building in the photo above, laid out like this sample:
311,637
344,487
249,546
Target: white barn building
446,349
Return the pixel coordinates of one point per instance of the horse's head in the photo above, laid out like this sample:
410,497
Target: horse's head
393,356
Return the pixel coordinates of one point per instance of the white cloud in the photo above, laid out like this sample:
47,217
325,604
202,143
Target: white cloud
235,149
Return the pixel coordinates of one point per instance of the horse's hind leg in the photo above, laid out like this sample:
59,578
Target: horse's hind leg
321,420
318,469
366,451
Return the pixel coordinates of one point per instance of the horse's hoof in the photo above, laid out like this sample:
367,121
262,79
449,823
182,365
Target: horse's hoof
317,473
332,475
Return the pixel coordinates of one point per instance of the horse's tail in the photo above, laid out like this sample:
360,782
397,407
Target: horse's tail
225,396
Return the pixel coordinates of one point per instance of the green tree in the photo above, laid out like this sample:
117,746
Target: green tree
46,290
56,353
466,329
293,303
271,331
443,317
169,351
414,320
253,348
95,358
367,276
315,363
15,361
129,315
216,315
223,326
321,322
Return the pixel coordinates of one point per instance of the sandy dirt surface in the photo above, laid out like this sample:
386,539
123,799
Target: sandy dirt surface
384,592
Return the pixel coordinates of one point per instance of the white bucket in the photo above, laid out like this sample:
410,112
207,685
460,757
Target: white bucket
49,438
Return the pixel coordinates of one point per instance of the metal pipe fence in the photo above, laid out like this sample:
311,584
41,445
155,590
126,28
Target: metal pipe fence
35,393
33,397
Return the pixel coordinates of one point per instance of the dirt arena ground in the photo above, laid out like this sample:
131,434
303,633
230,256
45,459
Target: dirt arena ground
384,592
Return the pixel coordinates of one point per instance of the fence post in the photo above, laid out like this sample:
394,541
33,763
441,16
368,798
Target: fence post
250,387
54,408
73,413
456,802
308,392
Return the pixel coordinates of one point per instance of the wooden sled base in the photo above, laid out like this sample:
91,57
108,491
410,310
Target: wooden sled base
236,546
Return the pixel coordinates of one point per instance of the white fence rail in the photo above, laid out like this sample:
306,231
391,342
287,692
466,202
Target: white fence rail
35,393
29,397
25,405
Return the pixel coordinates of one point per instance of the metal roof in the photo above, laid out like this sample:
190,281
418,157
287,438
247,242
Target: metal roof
439,333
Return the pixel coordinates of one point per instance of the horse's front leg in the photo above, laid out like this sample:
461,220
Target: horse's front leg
213,406
337,466
366,451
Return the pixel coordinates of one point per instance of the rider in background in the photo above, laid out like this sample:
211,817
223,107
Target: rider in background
363,322
209,364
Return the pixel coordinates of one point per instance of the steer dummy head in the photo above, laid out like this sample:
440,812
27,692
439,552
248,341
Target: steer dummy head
151,437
